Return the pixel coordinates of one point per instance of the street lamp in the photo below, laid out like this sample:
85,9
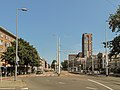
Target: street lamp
106,53
17,58
92,65
58,55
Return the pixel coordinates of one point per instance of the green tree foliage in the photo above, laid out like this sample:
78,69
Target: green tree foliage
64,65
114,21
9,55
99,55
53,64
114,46
27,54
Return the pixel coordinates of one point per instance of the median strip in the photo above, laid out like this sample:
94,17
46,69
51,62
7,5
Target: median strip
100,84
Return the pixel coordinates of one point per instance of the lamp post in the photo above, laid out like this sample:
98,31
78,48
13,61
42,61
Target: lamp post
106,53
68,65
92,65
73,64
17,58
58,55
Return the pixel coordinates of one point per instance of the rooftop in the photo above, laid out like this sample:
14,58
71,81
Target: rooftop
6,31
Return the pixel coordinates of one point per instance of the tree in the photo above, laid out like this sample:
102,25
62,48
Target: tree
48,65
114,46
64,65
114,21
99,55
114,25
53,64
9,55
27,54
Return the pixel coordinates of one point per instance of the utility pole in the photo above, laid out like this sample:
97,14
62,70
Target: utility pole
92,62
17,58
106,54
15,78
73,65
92,65
68,65
58,55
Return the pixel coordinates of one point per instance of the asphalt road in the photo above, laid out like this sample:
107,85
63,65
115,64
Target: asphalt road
73,82
68,81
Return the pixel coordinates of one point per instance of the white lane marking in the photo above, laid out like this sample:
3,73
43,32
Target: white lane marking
12,88
61,82
100,84
7,88
91,88
24,88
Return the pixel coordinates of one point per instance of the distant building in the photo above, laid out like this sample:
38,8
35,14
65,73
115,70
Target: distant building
5,40
44,64
76,62
71,60
72,56
114,63
86,45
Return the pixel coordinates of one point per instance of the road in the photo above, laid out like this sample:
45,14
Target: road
73,82
69,81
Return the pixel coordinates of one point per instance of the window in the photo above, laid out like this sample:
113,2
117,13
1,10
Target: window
7,37
1,34
1,42
7,44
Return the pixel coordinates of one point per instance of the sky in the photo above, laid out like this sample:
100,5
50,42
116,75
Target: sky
67,19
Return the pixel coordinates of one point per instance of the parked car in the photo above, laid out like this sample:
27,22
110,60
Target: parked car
39,70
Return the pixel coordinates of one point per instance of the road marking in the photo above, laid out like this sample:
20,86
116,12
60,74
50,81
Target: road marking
61,82
91,88
24,88
100,84
12,88
7,88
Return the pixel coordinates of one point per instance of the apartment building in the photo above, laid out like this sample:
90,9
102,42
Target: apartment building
5,40
71,60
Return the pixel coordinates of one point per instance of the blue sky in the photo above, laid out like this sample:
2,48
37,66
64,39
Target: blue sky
68,19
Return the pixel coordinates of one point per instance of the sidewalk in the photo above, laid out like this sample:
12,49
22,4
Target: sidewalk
8,82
